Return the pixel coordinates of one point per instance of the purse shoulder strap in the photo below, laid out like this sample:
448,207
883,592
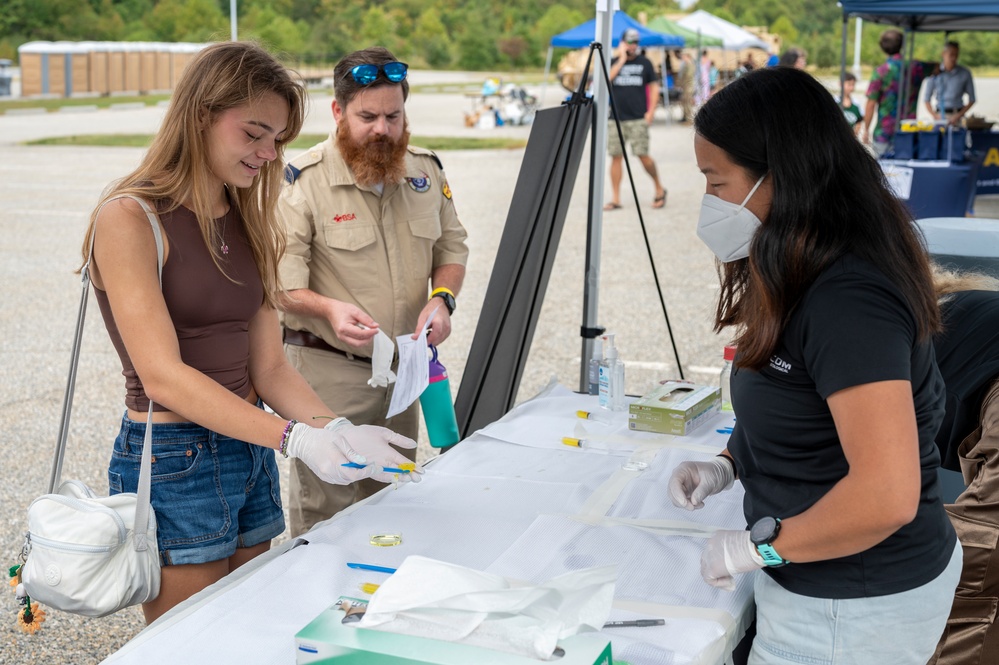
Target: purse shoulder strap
139,528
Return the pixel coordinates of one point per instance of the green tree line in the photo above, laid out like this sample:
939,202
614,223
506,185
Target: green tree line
441,34
480,34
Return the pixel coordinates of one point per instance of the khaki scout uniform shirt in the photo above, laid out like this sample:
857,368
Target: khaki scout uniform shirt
378,252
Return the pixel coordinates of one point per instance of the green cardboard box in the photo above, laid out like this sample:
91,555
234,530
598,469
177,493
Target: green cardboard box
674,407
328,640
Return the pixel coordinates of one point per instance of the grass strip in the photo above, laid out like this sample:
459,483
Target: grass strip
55,103
303,142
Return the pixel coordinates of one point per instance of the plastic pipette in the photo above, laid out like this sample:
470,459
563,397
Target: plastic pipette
402,468
368,566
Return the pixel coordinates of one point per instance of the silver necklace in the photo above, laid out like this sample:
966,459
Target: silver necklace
223,245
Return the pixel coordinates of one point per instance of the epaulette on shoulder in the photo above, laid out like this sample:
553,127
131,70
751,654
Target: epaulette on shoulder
427,153
294,168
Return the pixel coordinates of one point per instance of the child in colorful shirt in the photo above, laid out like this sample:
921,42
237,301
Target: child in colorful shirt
851,111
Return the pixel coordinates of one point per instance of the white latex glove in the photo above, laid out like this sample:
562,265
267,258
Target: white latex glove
692,482
728,553
372,443
381,361
324,452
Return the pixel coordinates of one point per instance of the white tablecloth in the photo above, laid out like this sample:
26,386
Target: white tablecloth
511,500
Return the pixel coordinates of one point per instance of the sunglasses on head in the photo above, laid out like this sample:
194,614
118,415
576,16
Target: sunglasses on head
366,74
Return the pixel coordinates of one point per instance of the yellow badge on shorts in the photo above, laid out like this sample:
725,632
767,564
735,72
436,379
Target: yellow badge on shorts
446,190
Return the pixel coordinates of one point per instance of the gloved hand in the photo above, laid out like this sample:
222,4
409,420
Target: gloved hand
371,442
324,452
728,553
692,482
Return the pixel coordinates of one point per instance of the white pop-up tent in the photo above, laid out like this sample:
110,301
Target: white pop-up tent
733,37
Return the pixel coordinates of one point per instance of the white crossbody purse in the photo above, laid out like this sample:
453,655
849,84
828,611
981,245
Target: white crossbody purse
86,554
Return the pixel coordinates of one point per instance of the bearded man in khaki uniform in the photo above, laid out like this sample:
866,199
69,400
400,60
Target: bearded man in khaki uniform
374,242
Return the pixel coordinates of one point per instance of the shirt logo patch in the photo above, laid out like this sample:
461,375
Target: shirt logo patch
780,364
346,217
446,190
419,184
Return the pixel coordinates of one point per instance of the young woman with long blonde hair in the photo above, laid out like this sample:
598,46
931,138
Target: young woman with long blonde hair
206,347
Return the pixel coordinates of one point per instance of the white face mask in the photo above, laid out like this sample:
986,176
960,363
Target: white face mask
727,228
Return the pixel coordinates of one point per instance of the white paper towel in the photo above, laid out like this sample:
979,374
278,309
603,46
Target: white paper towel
443,601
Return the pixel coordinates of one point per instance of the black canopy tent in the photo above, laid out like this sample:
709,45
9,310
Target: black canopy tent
927,15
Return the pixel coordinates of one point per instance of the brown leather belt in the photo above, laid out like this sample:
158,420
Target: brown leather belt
310,341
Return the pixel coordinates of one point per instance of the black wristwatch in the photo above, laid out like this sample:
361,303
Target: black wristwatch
762,534
448,298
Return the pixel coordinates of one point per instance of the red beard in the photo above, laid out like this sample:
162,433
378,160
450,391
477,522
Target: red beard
376,160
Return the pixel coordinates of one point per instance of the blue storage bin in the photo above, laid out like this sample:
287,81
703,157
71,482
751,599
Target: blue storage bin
905,145
954,144
929,145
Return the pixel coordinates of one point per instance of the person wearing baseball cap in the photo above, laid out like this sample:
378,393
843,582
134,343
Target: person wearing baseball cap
634,96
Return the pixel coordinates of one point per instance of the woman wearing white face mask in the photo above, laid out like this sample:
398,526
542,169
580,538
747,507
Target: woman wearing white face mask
727,228
836,390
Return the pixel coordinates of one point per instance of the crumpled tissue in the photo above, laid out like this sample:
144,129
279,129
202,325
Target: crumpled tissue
381,361
443,601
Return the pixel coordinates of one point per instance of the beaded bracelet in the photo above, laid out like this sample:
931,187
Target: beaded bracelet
283,448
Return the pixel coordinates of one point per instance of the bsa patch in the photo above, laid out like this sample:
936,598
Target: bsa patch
419,184
446,190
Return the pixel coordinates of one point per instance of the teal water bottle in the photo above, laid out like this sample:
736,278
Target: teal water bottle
437,406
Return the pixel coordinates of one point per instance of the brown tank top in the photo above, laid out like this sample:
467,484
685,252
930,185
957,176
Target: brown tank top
210,313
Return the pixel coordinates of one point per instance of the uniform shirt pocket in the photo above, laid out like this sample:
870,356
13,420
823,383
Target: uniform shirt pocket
427,227
348,237
425,231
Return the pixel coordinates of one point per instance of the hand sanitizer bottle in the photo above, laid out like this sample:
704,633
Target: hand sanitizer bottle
611,377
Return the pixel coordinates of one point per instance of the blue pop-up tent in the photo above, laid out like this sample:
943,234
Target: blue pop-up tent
582,35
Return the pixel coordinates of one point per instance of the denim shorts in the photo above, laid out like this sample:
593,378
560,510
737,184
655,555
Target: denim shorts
211,493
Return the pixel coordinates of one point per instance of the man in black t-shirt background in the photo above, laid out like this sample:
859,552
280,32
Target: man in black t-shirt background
635,95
